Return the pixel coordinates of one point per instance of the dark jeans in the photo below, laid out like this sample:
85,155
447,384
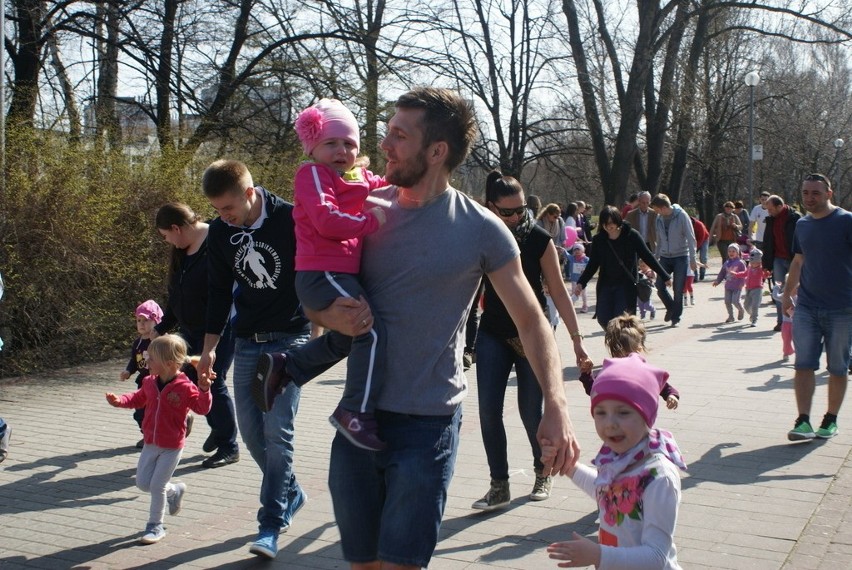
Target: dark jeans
221,418
494,361
612,301
676,267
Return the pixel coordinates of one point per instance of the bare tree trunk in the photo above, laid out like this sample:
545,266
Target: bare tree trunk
162,80
106,117
74,127
590,105
27,62
659,110
685,115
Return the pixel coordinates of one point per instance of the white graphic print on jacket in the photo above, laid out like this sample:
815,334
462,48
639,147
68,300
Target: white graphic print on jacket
253,261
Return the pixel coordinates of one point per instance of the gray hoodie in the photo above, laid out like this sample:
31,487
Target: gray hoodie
679,239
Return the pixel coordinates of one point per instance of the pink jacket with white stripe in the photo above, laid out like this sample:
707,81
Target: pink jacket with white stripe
164,424
329,216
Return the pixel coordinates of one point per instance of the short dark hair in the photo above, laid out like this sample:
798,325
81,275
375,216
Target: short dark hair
447,118
225,176
815,176
607,215
739,204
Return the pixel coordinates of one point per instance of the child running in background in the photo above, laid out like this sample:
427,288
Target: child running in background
577,262
625,335
732,267
787,347
754,276
331,222
687,286
148,314
635,480
168,395
647,306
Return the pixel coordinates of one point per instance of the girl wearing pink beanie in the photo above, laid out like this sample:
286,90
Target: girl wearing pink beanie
331,222
635,478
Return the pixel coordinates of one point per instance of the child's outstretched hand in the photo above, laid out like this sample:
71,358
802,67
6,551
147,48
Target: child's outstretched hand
672,402
112,399
124,375
715,284
577,552
204,383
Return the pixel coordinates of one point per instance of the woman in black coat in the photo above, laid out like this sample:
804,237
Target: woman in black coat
615,249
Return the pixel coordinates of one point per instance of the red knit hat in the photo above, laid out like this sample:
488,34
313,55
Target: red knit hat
633,381
326,120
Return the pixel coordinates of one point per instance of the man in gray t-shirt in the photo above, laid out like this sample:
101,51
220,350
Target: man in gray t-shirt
420,272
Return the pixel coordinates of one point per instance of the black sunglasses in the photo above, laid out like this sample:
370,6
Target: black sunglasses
817,178
509,212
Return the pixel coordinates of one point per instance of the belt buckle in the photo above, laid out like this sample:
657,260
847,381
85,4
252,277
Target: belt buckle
261,338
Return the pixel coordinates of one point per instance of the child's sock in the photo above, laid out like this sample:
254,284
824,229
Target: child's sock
803,418
827,420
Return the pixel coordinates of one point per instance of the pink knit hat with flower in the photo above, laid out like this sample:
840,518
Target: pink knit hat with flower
328,119
150,310
633,381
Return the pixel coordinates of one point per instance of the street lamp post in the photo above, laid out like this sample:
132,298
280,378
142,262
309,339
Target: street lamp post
752,78
838,145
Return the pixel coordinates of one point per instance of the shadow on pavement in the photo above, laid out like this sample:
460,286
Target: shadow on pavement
511,546
39,492
748,467
75,557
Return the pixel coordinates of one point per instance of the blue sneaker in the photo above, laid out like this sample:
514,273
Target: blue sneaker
295,501
176,499
153,533
266,545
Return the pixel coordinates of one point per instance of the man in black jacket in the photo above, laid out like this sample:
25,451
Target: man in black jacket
778,242
251,255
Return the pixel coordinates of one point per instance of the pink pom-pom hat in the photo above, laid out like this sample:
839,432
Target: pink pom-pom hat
328,119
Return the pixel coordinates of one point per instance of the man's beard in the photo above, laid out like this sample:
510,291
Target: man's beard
410,173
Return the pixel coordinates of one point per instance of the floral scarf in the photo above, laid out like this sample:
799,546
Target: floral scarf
610,464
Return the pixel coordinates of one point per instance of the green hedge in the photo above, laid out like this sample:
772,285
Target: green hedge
79,250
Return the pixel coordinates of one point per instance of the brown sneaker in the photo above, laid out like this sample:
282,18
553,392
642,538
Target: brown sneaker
360,429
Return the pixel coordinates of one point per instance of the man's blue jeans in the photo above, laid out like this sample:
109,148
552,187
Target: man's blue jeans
676,267
702,257
494,361
268,436
780,267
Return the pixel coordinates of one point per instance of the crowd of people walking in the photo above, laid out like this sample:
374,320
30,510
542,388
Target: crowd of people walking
414,281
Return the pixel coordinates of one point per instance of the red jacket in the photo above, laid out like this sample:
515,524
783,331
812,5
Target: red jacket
701,233
329,216
164,424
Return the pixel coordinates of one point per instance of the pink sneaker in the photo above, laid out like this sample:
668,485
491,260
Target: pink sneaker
360,429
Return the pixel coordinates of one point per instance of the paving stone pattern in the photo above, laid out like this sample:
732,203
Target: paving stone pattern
751,500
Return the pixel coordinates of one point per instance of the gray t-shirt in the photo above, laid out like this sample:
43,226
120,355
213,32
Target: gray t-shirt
421,270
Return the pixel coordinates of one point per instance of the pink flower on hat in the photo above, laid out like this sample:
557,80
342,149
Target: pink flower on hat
328,119
309,127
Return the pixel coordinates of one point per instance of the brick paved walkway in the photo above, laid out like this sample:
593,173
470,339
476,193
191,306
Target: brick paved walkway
751,500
